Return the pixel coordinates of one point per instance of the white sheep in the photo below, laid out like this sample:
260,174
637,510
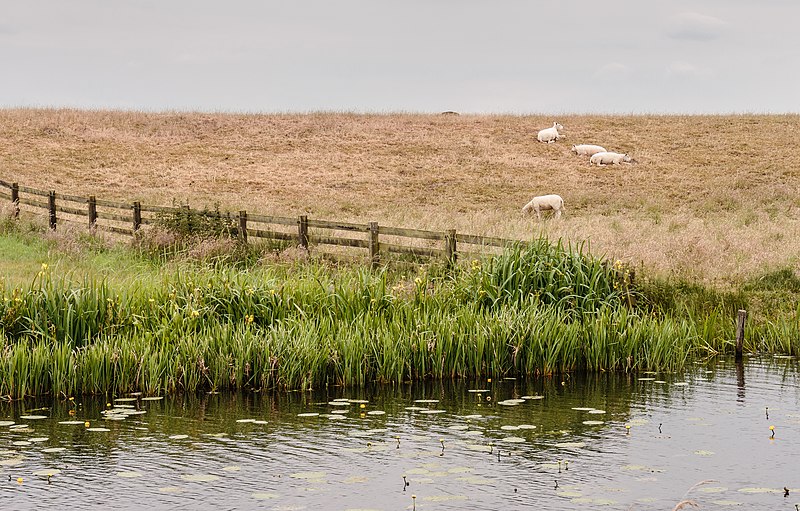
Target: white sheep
609,158
550,135
545,203
587,149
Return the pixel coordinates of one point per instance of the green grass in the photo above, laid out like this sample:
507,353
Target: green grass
110,320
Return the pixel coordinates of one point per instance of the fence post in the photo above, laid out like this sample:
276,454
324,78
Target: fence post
15,198
741,317
243,226
374,246
52,207
450,247
92,203
188,218
137,215
302,231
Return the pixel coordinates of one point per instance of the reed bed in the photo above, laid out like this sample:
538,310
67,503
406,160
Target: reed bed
542,309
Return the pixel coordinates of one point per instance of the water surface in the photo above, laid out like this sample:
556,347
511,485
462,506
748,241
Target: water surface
641,442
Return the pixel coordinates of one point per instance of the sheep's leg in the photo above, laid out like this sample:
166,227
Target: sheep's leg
558,213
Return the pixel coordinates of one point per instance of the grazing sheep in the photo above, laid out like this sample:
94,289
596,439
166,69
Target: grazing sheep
544,203
587,149
609,158
550,135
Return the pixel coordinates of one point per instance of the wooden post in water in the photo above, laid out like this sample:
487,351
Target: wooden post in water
243,226
374,246
302,231
137,215
92,205
15,198
741,318
450,247
51,203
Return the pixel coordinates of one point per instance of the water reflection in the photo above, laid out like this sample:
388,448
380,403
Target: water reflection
548,443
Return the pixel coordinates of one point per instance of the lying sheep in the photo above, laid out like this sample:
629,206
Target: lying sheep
587,149
609,158
544,203
550,135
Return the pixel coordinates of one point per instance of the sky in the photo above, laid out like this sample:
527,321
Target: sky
416,56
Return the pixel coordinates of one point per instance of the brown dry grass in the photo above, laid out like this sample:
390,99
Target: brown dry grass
713,197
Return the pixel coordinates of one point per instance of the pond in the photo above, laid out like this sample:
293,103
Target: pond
638,442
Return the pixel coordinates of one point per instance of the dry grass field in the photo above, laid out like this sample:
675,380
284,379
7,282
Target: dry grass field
713,198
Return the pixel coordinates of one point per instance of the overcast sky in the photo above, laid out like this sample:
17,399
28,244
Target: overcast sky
472,56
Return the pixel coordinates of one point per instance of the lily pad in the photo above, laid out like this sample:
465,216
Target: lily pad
51,450
308,414
33,417
6,423
513,440
153,398
199,478
127,474
98,430
47,472
264,495
178,437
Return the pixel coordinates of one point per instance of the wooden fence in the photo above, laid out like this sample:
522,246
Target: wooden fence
128,218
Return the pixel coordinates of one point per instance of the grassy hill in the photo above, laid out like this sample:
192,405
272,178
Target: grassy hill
713,198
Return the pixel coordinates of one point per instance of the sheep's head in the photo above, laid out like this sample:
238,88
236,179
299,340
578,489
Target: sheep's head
627,158
574,150
558,126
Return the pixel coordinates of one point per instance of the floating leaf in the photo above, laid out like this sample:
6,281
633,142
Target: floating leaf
178,437
245,420
480,391
47,472
532,398
308,414
511,402
582,409
376,412
199,478
760,490
72,423
54,449
571,445
526,426
597,412
458,427
432,411
152,398
712,489
426,400
647,379
99,430
125,399
33,417
704,453
12,462
513,440
21,443
593,423
264,495
6,423
509,428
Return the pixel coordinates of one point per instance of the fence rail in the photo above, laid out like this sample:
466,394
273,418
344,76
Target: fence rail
128,218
